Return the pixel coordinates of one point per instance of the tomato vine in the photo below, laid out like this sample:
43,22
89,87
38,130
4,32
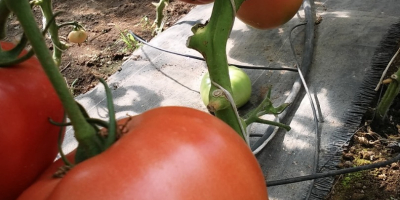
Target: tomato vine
84,131
210,40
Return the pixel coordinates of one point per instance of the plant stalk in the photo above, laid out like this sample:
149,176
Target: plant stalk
388,98
159,22
210,40
266,107
84,132
58,46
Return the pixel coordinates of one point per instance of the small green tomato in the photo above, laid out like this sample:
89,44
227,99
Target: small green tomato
77,36
240,83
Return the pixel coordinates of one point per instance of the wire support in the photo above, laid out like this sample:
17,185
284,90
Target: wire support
202,59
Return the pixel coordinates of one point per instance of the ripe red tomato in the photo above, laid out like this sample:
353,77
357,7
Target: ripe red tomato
28,143
197,2
265,14
170,153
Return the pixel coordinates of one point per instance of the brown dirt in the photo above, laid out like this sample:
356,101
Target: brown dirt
373,142
104,51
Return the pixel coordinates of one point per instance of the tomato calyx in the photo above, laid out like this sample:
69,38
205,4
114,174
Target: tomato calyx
107,132
92,145
122,129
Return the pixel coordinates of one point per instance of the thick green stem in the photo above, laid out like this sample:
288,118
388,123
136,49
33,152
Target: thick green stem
4,13
210,40
84,132
160,15
389,96
58,46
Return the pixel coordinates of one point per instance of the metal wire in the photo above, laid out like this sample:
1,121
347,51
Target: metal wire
202,59
232,102
332,173
317,135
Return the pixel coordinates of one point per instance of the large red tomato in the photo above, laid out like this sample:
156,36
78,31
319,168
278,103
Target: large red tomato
265,14
198,2
28,143
169,153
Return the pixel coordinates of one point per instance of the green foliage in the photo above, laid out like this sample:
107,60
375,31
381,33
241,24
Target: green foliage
360,162
130,42
351,178
72,87
145,22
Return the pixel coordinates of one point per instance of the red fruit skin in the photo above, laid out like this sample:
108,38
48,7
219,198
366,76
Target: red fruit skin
267,14
169,153
28,143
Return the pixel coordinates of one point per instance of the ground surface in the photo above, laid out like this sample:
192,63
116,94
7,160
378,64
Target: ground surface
373,142
104,20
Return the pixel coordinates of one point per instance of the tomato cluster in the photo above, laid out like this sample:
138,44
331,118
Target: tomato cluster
165,153
172,153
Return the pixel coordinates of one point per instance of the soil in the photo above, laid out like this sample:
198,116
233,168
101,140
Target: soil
373,142
104,20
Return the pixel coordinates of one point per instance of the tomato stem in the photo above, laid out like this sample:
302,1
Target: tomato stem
273,123
264,108
60,140
84,131
112,127
159,15
387,100
74,23
58,46
210,40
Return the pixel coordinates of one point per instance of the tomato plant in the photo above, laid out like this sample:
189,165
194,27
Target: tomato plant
240,83
77,36
28,143
265,14
198,2
171,153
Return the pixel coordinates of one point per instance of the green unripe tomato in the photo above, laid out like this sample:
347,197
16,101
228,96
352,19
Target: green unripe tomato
240,83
